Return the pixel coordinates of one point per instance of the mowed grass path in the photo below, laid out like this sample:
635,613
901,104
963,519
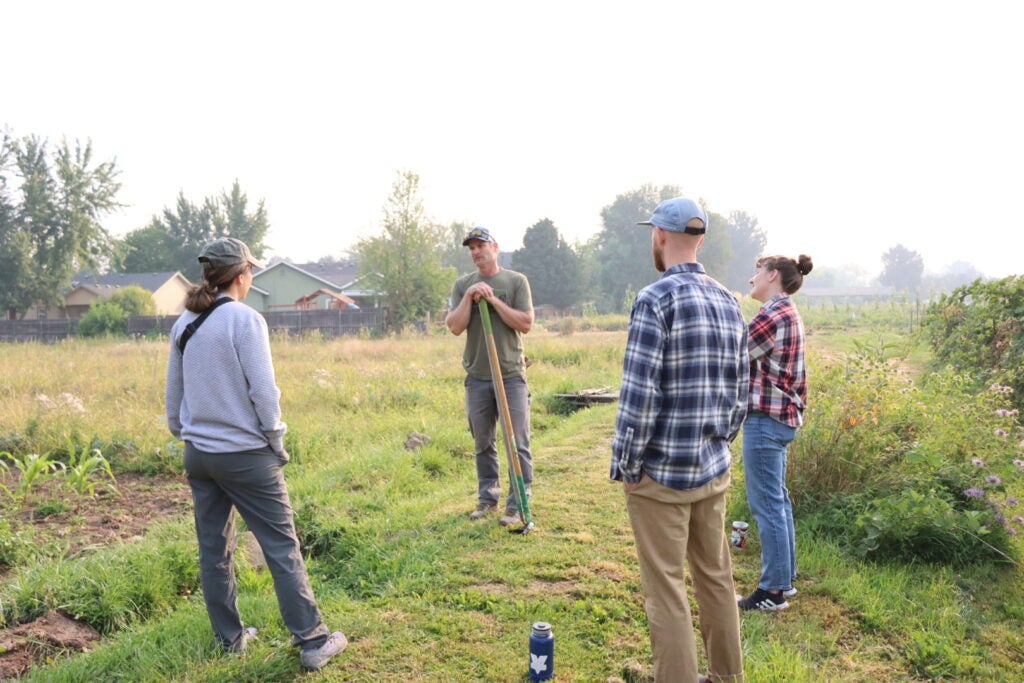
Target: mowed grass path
425,595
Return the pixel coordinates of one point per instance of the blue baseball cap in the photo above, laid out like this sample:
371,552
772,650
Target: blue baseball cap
478,233
674,214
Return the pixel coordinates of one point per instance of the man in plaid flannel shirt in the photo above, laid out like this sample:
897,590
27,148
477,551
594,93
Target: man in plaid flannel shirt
681,403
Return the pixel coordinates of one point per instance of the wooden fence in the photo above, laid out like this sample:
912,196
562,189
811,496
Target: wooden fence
329,323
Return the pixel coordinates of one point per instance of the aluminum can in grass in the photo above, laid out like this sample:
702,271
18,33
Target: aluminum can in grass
739,534
542,652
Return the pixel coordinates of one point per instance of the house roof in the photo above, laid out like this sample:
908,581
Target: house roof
148,281
336,275
307,298
99,290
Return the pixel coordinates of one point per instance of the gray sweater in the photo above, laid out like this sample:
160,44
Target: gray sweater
221,394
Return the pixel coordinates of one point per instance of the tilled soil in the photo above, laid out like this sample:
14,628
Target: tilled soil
112,515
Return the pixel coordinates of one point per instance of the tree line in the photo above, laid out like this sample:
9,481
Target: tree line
53,201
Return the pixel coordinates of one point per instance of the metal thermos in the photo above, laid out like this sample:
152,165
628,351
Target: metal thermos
542,652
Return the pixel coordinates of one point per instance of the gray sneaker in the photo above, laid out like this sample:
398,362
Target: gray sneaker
315,657
243,640
482,510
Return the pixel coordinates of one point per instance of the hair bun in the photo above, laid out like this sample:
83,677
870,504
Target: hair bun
805,264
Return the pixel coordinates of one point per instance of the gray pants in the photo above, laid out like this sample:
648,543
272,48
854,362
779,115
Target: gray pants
252,483
483,412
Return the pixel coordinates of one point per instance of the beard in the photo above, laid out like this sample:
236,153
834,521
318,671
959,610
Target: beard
658,255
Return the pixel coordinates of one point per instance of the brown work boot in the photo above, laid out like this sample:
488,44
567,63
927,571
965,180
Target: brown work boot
482,510
510,517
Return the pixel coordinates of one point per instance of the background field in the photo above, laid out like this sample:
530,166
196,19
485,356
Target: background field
423,594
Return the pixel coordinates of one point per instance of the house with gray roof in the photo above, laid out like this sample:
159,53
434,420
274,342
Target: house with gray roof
286,286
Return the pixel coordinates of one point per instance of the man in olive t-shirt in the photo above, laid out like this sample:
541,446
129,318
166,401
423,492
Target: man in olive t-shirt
508,296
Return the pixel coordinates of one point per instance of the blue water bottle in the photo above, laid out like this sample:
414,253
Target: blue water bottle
542,652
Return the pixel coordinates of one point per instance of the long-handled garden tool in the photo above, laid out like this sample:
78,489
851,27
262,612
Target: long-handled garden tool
514,468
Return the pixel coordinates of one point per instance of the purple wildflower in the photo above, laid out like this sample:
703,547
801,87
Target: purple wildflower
1003,412
993,479
974,492
1019,463
1010,530
1018,519
977,462
1011,502
1001,432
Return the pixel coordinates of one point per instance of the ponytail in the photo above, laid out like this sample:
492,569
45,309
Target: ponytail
215,280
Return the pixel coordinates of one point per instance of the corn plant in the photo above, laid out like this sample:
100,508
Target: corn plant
84,469
34,469
4,469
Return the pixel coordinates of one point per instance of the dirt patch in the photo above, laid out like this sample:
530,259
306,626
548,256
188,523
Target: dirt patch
47,636
123,513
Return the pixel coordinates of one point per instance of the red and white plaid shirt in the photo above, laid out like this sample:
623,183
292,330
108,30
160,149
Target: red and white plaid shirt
778,373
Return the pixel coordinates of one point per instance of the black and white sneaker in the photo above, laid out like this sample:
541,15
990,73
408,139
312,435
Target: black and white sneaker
763,600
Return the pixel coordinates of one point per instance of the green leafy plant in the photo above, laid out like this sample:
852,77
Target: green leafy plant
34,469
103,318
85,469
4,470
15,544
912,471
979,328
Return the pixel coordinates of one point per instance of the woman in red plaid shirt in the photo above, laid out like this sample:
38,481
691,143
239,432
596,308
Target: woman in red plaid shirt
775,406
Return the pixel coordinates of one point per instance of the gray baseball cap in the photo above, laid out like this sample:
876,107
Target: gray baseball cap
674,214
478,233
226,251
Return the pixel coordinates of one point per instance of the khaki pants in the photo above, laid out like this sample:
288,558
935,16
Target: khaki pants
670,526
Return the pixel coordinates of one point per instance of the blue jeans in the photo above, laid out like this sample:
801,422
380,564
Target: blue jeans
764,463
482,410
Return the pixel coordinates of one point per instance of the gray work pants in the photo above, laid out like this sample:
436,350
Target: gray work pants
251,482
482,409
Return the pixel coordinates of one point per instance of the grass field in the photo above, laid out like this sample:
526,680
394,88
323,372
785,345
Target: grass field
422,593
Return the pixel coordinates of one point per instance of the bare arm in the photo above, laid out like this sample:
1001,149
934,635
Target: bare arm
520,321
458,318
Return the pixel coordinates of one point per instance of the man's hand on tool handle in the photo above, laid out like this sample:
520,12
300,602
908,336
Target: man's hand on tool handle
481,290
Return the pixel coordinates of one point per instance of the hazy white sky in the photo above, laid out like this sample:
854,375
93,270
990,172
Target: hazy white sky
845,127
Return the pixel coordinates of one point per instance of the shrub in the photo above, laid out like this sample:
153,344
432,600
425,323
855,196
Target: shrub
904,471
134,300
102,318
979,328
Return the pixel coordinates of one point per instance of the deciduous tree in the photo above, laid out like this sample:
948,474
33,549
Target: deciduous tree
50,218
453,253
172,240
405,259
552,267
902,269
623,249
747,242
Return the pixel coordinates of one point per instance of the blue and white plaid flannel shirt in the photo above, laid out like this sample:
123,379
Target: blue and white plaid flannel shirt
684,382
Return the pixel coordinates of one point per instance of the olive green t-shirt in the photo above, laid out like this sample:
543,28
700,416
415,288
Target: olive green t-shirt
512,288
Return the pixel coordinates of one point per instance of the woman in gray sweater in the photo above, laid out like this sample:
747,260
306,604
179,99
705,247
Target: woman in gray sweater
223,402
